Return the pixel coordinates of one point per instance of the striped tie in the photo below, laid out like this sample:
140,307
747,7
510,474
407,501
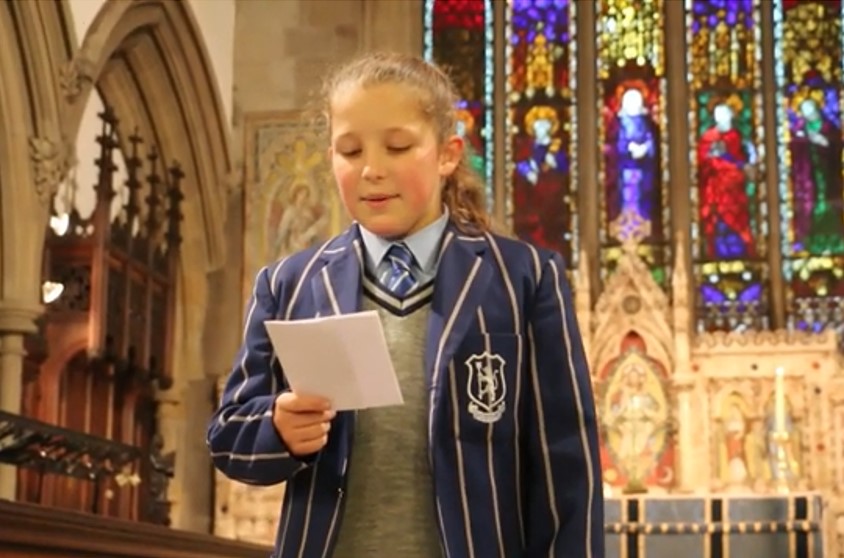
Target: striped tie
398,277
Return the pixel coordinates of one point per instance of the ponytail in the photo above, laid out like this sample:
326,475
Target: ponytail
465,196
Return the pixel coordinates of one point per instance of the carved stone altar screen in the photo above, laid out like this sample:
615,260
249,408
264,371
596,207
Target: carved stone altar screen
709,415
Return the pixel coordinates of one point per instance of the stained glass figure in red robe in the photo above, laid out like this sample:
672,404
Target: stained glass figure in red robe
725,169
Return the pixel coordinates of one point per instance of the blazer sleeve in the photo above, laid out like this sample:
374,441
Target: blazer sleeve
564,491
243,441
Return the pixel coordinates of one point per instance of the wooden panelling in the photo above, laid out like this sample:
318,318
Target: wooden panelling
30,531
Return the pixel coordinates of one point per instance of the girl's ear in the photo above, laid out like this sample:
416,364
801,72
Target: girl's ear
451,155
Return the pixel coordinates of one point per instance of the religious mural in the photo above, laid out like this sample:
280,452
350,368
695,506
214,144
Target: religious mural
290,198
740,445
541,167
635,411
814,147
758,439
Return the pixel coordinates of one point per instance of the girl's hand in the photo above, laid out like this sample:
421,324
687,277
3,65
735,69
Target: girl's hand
303,422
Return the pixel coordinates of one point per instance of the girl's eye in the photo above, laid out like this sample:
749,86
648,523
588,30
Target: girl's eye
350,153
398,148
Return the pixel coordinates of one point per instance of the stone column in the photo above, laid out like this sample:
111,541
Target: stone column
391,25
687,435
196,482
588,160
171,429
183,413
16,320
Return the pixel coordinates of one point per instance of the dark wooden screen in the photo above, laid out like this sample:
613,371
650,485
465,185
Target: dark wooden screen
107,339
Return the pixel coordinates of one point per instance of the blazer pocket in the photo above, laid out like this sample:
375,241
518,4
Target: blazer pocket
486,378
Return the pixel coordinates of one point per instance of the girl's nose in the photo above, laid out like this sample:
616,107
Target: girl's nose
373,170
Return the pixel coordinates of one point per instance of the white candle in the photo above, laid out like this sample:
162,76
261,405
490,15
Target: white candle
779,401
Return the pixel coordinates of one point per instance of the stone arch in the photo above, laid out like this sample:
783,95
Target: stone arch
151,52
34,43
148,60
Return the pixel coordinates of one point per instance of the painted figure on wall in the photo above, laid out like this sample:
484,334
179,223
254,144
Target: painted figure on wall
735,434
816,175
636,421
737,443
541,166
725,173
304,222
296,216
632,156
634,415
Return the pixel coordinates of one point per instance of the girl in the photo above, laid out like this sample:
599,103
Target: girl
495,451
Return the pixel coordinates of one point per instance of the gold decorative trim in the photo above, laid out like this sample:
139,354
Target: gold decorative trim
778,338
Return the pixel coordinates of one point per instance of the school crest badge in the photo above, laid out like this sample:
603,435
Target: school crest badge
486,386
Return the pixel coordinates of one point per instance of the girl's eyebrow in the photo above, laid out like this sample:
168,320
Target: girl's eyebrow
390,130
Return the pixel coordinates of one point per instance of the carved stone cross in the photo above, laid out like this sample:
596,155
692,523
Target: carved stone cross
630,229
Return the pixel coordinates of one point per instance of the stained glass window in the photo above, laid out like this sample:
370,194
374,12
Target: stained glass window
533,77
808,56
729,227
458,37
632,129
541,122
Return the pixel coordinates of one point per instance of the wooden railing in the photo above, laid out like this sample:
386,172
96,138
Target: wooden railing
32,531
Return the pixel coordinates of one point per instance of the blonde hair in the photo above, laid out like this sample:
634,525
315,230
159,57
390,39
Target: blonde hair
463,192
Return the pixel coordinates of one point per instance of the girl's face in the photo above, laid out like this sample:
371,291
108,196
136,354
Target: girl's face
386,159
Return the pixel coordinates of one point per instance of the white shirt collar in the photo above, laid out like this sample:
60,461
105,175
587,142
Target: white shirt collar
424,244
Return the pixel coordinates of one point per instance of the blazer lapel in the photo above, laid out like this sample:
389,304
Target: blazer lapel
336,287
463,275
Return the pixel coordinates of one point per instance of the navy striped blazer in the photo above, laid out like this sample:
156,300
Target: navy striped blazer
514,461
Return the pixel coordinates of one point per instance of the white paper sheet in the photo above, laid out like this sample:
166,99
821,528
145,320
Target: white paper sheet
342,358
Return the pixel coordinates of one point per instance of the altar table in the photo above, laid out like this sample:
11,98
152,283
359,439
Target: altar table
714,526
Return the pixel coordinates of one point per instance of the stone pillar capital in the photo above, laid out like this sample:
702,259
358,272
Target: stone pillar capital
18,316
